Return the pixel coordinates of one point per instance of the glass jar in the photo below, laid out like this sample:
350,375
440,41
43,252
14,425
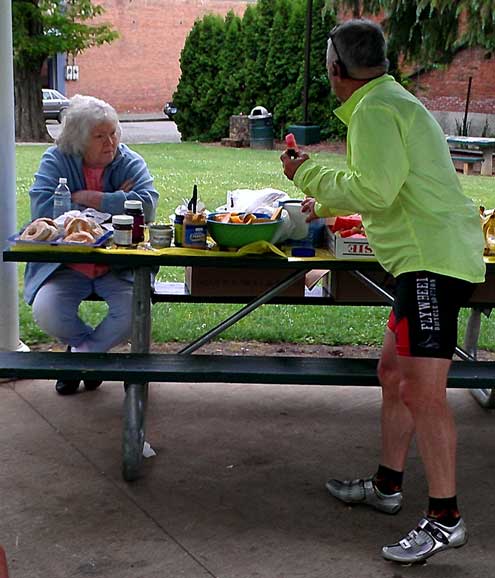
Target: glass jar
122,230
135,210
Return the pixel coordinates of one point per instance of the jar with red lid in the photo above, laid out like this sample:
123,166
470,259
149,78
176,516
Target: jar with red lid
135,210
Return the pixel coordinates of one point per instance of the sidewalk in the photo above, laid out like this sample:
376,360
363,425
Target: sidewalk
236,489
142,116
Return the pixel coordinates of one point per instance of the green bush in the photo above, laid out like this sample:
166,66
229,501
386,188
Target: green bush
231,65
197,97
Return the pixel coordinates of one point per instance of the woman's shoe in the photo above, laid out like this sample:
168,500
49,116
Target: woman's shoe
67,387
92,384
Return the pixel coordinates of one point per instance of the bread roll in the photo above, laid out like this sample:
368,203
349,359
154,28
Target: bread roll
40,230
80,237
76,225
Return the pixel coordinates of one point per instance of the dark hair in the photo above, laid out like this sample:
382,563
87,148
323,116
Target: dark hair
360,48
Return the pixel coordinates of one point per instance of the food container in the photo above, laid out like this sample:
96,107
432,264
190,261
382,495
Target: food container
122,230
240,234
59,241
160,235
194,230
354,247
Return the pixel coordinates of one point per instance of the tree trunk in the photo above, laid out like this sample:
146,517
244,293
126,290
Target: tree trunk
29,122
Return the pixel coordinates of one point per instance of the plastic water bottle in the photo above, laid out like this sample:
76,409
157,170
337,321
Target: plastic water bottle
61,198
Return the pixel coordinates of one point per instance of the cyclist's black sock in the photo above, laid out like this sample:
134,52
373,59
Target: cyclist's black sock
388,481
444,510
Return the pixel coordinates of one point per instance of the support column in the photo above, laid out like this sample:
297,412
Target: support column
9,305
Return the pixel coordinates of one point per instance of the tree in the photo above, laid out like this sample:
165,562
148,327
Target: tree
285,60
266,14
229,77
197,96
321,100
248,50
43,28
429,31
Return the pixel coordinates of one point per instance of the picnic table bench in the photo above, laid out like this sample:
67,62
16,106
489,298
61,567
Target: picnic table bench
467,161
470,145
140,367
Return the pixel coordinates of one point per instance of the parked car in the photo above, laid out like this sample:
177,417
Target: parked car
170,110
54,104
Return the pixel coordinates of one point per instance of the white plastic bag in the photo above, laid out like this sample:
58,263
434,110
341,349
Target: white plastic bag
254,201
265,201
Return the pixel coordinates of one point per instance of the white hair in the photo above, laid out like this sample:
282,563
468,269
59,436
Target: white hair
81,116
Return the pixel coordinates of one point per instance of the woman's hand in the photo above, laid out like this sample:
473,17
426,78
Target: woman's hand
88,198
291,165
308,207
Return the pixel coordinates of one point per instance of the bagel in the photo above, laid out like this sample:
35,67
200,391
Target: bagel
48,221
76,225
96,230
40,230
67,220
80,237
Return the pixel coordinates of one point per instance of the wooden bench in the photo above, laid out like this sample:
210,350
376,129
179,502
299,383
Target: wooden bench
150,367
467,162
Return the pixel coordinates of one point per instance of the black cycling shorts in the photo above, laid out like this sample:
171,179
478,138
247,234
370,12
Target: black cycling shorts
425,313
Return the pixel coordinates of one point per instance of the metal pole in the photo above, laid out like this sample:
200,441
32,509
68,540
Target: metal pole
9,314
261,300
466,110
307,59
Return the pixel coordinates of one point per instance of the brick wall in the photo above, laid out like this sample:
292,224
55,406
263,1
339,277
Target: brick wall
446,89
139,71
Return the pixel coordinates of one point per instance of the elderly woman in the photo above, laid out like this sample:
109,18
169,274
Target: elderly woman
101,173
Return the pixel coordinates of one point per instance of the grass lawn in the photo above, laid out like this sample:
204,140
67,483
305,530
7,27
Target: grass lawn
217,170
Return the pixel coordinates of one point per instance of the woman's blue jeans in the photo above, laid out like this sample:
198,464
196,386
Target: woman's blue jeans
56,309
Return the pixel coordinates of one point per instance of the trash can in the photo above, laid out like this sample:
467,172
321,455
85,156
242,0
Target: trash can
260,128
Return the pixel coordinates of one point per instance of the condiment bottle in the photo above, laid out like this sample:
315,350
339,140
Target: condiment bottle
122,230
178,231
135,210
194,230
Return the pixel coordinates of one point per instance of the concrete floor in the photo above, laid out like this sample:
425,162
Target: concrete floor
236,489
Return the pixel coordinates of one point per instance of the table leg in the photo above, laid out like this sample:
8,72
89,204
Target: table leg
136,394
485,397
487,163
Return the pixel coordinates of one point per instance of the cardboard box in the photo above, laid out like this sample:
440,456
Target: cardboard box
236,282
484,294
348,247
344,287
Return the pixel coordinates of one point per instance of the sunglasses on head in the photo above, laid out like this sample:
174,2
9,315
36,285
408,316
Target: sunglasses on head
343,69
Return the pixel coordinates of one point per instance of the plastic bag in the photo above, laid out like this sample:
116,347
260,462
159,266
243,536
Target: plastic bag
254,201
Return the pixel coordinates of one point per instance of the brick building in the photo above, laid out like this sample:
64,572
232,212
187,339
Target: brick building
139,71
444,91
